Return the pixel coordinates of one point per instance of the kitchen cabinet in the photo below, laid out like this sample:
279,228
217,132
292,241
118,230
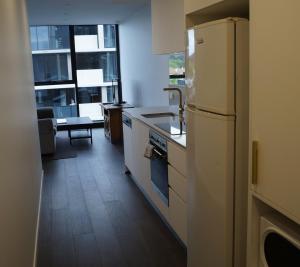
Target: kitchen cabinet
191,6
141,165
274,103
136,138
200,11
178,215
168,26
177,158
178,183
177,203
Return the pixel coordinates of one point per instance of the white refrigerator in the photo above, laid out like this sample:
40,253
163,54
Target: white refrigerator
217,142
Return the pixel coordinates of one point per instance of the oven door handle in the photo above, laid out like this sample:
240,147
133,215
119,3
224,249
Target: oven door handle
159,153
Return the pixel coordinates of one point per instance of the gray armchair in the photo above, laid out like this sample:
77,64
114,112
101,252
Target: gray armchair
47,130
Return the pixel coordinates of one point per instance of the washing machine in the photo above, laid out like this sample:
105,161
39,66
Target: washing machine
279,242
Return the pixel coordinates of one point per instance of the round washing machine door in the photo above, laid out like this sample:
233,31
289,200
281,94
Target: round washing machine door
280,250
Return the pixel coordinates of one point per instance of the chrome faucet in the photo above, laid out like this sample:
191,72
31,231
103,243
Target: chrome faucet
181,108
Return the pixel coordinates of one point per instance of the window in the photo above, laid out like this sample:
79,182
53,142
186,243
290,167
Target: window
52,67
177,69
94,59
86,30
49,37
106,61
96,66
109,36
62,100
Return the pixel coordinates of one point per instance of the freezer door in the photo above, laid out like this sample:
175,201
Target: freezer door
210,67
210,150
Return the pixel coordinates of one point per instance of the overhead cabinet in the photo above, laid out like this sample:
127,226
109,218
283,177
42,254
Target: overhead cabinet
200,11
275,109
167,26
191,6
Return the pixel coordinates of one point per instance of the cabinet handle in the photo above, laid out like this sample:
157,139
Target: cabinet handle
254,162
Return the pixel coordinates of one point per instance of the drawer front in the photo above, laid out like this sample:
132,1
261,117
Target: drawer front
178,183
178,215
177,158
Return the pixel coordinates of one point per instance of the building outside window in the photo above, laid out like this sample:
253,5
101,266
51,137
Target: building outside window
95,66
177,69
62,101
52,67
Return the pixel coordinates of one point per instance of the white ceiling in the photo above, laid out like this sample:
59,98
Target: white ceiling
59,12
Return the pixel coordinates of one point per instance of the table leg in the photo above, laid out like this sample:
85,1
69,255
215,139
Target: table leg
70,138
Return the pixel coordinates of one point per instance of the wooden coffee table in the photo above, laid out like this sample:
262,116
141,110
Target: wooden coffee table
77,124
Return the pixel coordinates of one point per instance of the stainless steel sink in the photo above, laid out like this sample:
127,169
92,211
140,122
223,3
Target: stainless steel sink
159,115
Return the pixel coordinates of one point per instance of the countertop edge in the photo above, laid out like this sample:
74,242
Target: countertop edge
153,127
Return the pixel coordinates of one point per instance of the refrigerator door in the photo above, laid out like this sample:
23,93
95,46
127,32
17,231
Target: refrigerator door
210,148
210,67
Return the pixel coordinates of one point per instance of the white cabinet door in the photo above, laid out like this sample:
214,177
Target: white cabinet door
177,157
178,215
167,26
141,169
274,104
128,151
177,182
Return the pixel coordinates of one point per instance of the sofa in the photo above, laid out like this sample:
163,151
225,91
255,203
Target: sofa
47,130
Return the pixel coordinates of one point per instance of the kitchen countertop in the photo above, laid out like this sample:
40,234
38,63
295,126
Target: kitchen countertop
137,113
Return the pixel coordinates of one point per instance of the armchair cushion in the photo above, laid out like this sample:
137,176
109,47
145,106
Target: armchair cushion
47,130
45,113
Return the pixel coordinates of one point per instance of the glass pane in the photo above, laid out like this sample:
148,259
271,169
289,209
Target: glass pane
62,100
33,37
50,37
177,64
109,36
99,60
43,37
87,61
109,65
90,99
51,67
180,82
89,95
59,37
110,93
86,30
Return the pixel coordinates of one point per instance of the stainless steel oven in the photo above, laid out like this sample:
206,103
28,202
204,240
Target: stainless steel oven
159,166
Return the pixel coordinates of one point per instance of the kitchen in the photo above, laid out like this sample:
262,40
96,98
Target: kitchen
206,173
196,162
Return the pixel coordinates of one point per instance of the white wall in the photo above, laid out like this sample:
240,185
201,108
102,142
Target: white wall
144,75
20,163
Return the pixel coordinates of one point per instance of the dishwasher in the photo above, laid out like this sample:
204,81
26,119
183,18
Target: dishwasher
128,143
159,166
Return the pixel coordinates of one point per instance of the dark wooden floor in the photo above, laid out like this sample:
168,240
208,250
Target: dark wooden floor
94,215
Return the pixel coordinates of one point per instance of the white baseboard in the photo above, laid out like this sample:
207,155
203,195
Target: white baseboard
38,222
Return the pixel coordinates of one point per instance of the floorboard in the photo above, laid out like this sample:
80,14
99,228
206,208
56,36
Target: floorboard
93,215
